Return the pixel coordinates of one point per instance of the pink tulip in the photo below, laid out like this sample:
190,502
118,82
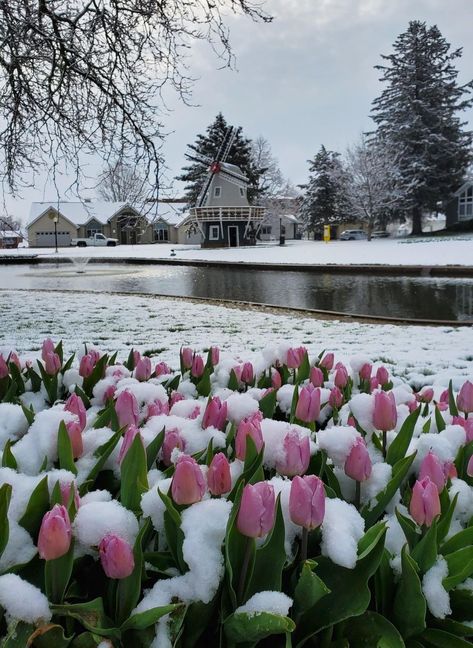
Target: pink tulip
128,439
126,407
413,405
433,468
194,413
197,368
247,373
219,479
425,395
257,510
47,347
449,470
469,468
341,377
365,371
156,408
374,384
465,398
469,430
55,534
86,366
444,396
94,355
75,405
215,414
358,462
74,431
327,361
296,455
109,393
382,375
385,412
316,377
214,355
187,356
175,398
276,379
441,406
172,440
307,501
351,421
4,371
237,372
308,404
162,369
294,357
336,398
250,426
188,484
116,556
136,357
66,493
425,502
143,369
52,364
15,359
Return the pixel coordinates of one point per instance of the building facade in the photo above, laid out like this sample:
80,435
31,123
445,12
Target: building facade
459,210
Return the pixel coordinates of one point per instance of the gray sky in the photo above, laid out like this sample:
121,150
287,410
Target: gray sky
304,80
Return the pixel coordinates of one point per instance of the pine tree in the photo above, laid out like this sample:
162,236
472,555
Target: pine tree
208,145
417,115
324,200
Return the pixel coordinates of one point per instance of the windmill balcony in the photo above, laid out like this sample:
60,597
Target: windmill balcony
253,214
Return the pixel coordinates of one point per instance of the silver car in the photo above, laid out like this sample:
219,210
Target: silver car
353,235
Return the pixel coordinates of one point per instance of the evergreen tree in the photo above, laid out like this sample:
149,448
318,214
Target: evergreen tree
324,201
417,116
208,145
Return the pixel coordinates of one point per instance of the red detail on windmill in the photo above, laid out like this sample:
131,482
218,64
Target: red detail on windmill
215,167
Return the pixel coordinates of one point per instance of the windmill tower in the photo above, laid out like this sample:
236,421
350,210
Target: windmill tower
222,212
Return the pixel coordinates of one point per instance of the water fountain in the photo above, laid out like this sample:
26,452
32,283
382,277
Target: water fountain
79,263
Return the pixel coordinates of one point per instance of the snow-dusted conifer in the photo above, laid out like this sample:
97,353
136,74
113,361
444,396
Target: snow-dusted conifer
417,115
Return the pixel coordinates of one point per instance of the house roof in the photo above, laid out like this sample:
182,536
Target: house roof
171,213
78,213
465,185
9,234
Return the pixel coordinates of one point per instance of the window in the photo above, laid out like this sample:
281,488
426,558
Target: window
242,191
465,204
266,229
214,233
93,230
161,232
217,192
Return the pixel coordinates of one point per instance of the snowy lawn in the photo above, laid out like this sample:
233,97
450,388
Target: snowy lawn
423,251
423,355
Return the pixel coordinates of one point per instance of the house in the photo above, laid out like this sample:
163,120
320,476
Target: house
281,218
459,210
10,239
170,223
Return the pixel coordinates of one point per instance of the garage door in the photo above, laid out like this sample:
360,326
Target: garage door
47,239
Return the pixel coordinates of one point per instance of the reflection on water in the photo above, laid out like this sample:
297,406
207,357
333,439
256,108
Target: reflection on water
413,297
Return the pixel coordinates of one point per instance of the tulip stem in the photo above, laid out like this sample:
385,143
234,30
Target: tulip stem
244,569
357,495
304,542
384,443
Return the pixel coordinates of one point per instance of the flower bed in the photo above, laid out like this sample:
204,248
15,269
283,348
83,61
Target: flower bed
286,502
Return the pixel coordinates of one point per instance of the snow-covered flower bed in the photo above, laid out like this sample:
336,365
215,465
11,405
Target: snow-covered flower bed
285,501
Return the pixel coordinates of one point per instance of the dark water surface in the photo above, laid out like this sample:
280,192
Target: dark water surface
410,297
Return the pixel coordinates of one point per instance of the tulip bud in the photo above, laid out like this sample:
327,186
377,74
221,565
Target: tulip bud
109,393
327,361
425,503
156,408
126,407
307,501
218,476
382,375
162,369
47,347
444,396
66,493
308,404
469,468
469,430
116,556
341,377
374,384
187,356
215,414
4,371
143,369
197,368
432,468
294,357
136,357
358,462
74,431
425,395
214,355
86,366
247,373
55,534
188,484
316,377
441,406
52,364
413,405
128,439
449,470
172,440
250,426
336,398
15,359
385,412
276,380
465,398
257,510
237,372
296,455
365,371
75,405
175,398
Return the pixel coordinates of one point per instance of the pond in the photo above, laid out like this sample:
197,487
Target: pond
380,295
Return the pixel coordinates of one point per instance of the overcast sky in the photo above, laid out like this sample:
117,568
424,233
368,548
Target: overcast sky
304,80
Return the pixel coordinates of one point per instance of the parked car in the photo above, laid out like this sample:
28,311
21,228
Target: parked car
380,234
96,240
353,235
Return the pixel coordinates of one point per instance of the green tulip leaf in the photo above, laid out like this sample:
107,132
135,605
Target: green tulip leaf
425,551
441,639
37,506
129,589
309,589
91,616
96,375
267,404
460,567
153,448
398,448
134,475
243,627
5,497
451,400
8,458
458,541
57,574
372,629
142,620
409,607
204,386
49,635
64,450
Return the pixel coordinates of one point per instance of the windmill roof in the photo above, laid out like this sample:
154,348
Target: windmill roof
233,168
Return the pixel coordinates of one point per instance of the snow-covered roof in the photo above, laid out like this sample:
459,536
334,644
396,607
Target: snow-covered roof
80,212
9,234
465,185
172,213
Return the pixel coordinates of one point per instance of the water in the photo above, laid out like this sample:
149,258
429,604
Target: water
410,297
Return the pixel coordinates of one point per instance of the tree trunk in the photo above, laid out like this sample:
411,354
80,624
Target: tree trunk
416,220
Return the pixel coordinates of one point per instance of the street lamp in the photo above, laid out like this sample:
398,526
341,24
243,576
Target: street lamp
55,220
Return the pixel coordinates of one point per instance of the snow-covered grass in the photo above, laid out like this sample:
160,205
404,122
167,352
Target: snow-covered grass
422,251
420,354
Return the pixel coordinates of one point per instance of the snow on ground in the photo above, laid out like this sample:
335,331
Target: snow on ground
423,251
421,354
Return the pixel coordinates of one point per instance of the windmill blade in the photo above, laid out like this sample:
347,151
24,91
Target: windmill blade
205,188
226,145
201,159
